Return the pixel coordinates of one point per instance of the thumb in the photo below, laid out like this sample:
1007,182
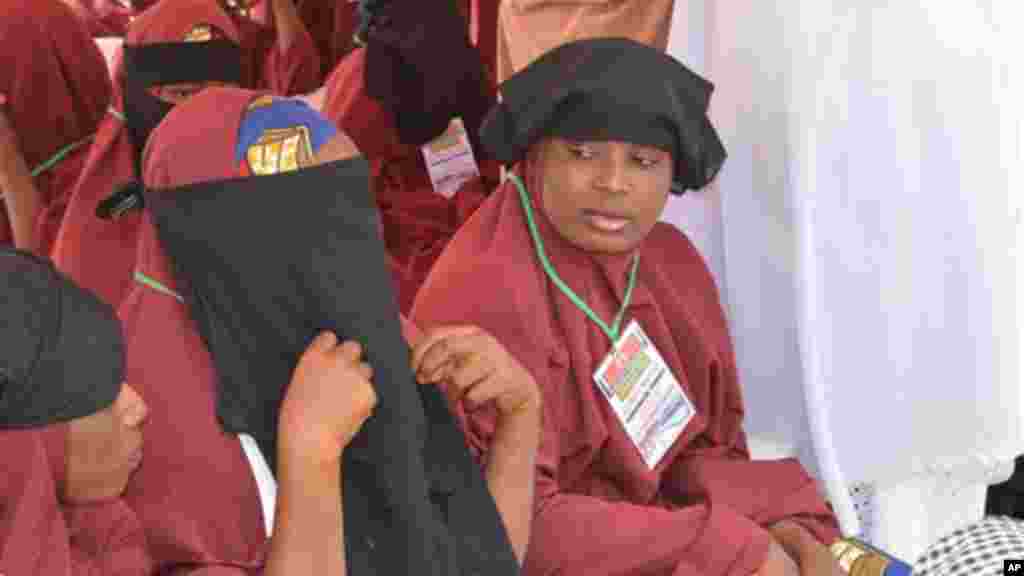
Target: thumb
324,342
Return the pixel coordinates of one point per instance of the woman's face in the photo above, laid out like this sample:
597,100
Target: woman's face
604,197
178,93
104,449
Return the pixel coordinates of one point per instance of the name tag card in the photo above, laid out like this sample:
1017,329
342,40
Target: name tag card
647,398
450,161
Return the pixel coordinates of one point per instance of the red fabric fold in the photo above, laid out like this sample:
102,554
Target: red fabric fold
600,510
39,535
55,98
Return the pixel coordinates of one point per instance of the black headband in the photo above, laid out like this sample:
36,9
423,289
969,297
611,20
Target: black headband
62,352
150,65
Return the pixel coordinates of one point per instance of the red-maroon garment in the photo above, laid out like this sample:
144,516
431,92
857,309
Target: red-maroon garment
104,18
55,98
417,222
199,501
599,509
41,537
99,254
209,528
483,26
331,23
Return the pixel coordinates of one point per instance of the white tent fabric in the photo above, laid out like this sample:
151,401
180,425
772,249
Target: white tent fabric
865,233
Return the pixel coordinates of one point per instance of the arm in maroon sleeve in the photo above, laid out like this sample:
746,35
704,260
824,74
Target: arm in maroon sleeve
106,540
576,534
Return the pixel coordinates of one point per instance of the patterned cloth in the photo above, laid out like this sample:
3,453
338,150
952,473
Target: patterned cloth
975,550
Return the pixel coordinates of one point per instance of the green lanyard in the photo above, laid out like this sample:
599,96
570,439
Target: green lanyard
611,331
156,285
60,155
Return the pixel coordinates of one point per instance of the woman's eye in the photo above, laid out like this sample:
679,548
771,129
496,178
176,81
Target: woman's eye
645,162
580,152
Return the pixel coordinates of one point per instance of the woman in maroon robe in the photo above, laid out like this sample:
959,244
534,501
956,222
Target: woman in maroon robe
99,254
70,430
196,526
53,94
434,48
643,468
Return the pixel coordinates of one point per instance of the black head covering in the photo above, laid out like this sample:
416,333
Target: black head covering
421,65
609,89
61,349
262,271
161,64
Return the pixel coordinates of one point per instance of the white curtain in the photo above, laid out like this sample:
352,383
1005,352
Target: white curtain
865,231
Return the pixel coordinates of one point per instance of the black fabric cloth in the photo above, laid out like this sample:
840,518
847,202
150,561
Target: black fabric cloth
601,76
61,348
1007,498
415,501
150,65
422,67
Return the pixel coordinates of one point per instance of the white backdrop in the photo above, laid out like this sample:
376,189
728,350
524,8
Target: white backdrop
865,228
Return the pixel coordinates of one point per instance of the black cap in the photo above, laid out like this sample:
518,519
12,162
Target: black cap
609,89
61,348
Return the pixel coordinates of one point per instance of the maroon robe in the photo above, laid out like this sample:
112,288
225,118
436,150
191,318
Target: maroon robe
702,511
99,254
104,18
55,98
195,526
40,536
417,222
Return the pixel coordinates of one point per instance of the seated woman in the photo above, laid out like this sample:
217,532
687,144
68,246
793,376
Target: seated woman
96,253
437,76
70,429
53,93
71,434
643,467
194,525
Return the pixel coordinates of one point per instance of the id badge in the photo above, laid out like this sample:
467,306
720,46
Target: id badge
450,160
644,393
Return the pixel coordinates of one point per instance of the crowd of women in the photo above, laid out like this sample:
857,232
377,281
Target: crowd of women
271,306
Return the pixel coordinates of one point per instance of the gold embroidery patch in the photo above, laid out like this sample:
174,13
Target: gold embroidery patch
261,101
280,150
200,33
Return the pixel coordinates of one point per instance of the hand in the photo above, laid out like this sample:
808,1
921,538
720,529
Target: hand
329,399
778,563
475,368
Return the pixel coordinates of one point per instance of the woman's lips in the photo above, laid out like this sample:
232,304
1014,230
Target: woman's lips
606,222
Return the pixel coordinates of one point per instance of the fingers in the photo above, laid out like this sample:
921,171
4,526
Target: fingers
324,342
350,350
440,346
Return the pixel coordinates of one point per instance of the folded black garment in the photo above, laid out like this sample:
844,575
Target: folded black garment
422,66
264,264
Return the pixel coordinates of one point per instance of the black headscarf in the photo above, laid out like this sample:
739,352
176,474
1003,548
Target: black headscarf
61,349
422,66
264,264
150,65
588,90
